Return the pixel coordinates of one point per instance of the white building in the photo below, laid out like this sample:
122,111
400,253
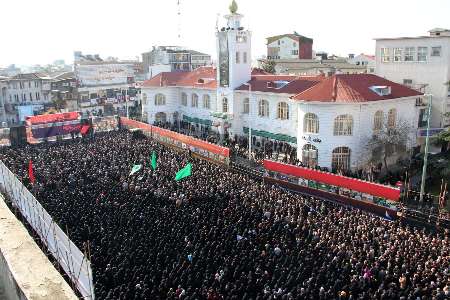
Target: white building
25,92
173,58
422,63
289,46
364,60
328,119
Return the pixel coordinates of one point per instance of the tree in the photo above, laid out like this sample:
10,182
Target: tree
388,141
268,66
443,139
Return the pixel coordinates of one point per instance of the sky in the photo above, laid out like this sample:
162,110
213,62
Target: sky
41,31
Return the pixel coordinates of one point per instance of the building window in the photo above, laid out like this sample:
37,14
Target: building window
206,101
422,53
29,84
294,52
31,97
294,44
341,159
385,56
225,105
283,111
436,51
397,54
409,53
237,57
392,116
310,155
161,117
263,108
36,84
38,96
244,57
246,103
343,125
407,82
378,121
183,99
194,100
144,98
278,42
311,123
160,99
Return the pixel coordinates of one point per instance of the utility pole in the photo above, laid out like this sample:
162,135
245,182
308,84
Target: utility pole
425,157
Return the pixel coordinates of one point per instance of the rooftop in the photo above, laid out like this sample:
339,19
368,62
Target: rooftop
295,36
347,88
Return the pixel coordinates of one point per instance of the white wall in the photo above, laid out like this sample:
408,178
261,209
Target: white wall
286,46
363,117
434,72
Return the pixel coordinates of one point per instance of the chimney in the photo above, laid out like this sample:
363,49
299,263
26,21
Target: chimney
334,92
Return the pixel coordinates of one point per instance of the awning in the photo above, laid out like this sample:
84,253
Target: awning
273,136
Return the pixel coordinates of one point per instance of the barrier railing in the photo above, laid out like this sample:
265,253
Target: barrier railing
74,262
211,151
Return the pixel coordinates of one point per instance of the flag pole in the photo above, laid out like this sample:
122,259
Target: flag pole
425,158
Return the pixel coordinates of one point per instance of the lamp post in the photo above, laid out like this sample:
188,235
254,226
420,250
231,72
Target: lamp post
425,157
249,123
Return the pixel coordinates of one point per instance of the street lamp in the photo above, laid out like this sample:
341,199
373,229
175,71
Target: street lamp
249,124
425,157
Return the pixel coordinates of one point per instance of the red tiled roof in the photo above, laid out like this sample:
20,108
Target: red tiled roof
295,85
202,77
353,88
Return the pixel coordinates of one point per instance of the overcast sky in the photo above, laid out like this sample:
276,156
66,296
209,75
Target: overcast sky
41,31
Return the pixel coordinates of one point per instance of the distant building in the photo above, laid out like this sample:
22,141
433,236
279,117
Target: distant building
316,67
65,91
10,71
25,92
105,84
363,60
172,59
422,63
289,46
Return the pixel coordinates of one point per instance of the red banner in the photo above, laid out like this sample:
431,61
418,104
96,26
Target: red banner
52,118
224,151
353,184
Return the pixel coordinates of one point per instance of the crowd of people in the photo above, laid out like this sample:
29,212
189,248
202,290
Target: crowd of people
219,234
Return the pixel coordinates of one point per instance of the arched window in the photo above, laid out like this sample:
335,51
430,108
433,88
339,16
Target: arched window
225,105
246,108
194,100
341,159
378,121
144,98
183,99
310,123
392,116
310,155
343,125
206,101
160,117
263,108
160,99
283,111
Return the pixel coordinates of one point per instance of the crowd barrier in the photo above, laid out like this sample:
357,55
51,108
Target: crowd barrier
74,262
207,150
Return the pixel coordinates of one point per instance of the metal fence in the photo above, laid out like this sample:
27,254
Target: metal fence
74,262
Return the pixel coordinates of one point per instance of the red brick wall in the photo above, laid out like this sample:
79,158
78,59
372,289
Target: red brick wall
305,51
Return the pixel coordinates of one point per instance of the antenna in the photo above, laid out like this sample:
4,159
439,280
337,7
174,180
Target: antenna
179,20
217,22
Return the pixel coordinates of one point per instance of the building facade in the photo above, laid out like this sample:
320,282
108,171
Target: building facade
171,59
289,46
65,91
25,94
329,119
364,60
423,63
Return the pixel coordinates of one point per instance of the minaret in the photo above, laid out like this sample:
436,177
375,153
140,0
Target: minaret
234,52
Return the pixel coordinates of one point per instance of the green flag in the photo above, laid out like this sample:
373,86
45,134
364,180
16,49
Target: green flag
185,172
154,160
135,169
